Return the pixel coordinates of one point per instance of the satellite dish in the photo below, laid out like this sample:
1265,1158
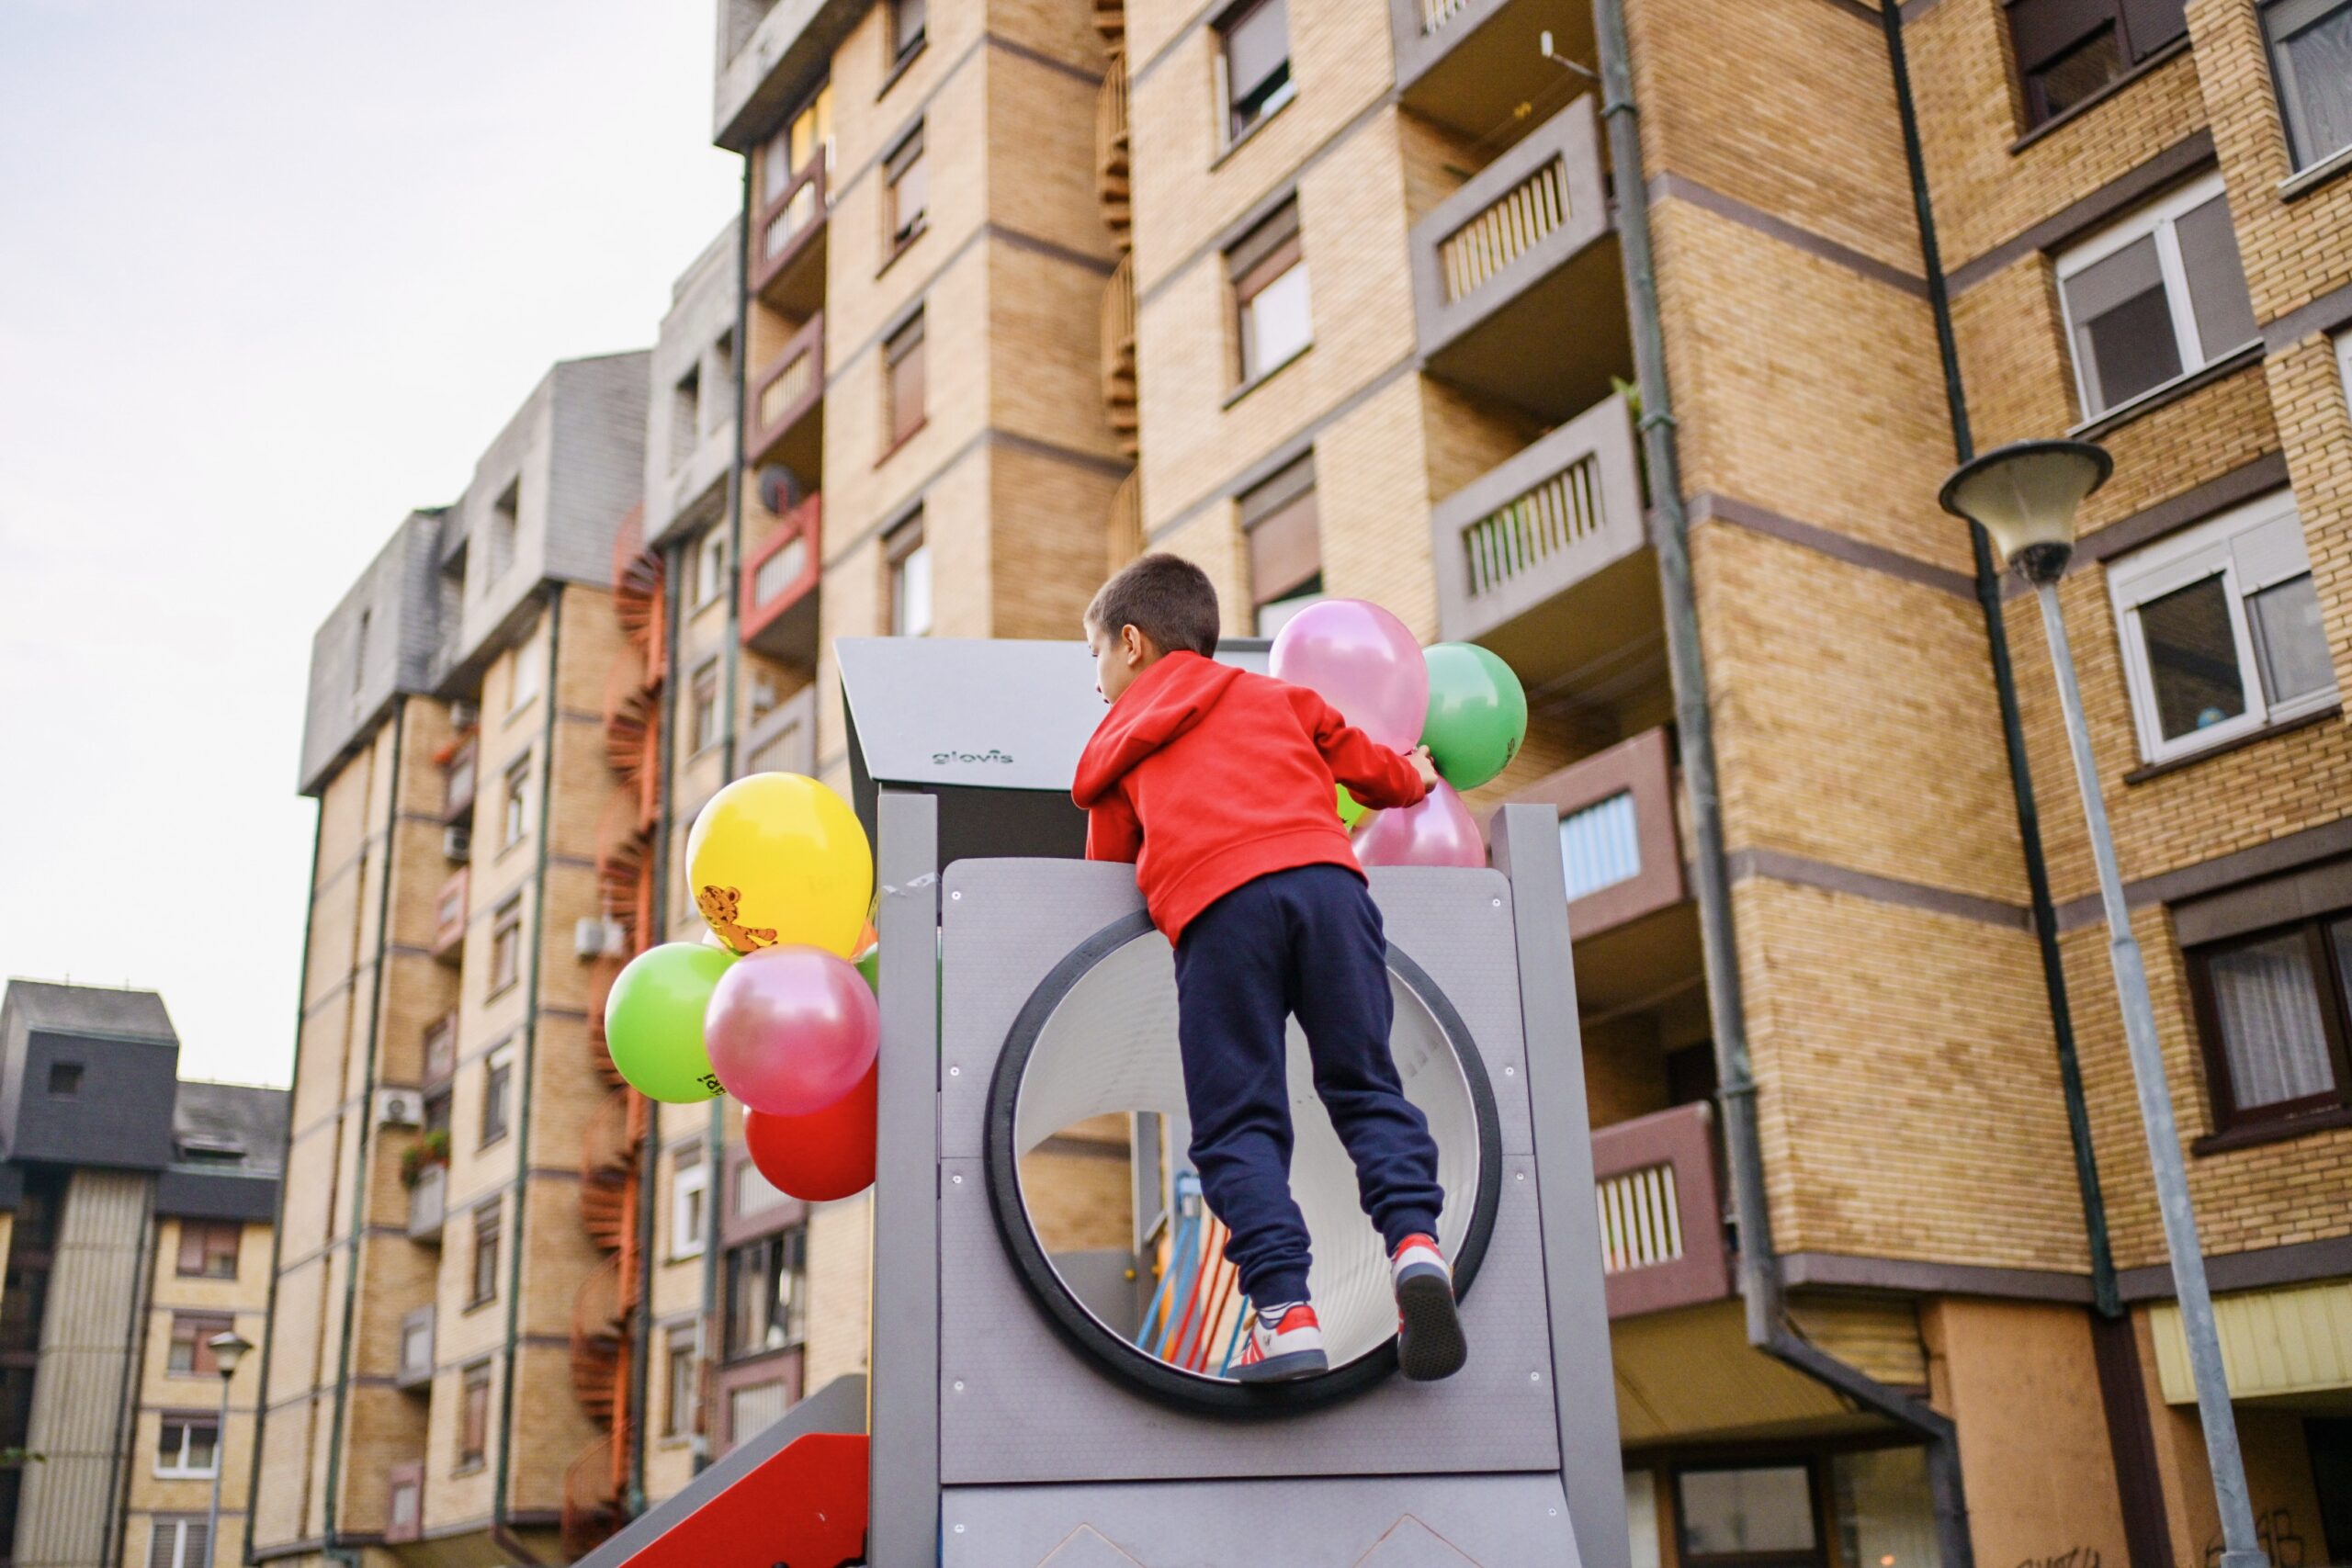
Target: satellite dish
780,489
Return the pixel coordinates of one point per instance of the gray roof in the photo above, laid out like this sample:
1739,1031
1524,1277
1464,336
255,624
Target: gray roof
90,1009
375,645
247,1118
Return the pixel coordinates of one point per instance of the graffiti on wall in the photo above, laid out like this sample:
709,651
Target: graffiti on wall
2275,1533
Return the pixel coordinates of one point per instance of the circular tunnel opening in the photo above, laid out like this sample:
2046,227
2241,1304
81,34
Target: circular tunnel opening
1089,1093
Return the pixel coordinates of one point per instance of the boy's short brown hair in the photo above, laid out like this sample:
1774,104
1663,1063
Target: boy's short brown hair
1165,597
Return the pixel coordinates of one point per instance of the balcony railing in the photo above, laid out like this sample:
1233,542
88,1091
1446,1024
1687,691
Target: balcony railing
1557,515
1620,841
427,1203
1661,1211
1118,331
788,242
779,608
784,397
1515,257
449,917
1111,144
416,1368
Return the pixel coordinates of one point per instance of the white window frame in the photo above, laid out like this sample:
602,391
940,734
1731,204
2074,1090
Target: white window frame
515,802
2190,557
181,1471
526,683
2344,367
179,1529
710,567
687,1238
2157,218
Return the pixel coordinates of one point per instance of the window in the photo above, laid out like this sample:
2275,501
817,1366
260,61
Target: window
1744,1513
2156,297
359,653
473,1421
1252,65
505,528
497,1096
180,1543
702,712
807,135
2276,1011
482,1283
416,1343
190,1445
907,19
689,1204
2311,57
2068,49
1279,519
909,554
754,1194
506,945
514,809
710,566
191,1350
754,1407
65,1079
685,416
209,1248
902,352
906,204
682,1413
2220,630
767,1306
524,682
1269,275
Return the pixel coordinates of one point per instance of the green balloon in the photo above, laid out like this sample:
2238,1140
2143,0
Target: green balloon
1351,811
869,964
653,1021
1478,716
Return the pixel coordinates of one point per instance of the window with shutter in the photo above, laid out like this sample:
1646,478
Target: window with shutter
2310,60
2154,297
1280,520
2068,50
904,356
1253,64
1267,269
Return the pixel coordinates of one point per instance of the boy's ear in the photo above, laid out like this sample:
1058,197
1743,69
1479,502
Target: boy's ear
1134,644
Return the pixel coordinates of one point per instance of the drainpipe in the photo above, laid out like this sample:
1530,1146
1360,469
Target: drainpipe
360,1168
277,1230
502,1534
715,1139
1988,598
1768,1326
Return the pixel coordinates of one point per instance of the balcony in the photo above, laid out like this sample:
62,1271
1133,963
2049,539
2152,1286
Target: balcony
440,1051
449,919
404,1511
786,423
788,243
779,609
1471,64
416,1368
1524,253
1119,342
457,782
1661,1211
428,1203
1110,145
1546,558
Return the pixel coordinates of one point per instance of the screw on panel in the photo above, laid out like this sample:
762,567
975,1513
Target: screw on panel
1510,1072
1497,903
1535,1377
959,1385
958,893
954,1072
958,1179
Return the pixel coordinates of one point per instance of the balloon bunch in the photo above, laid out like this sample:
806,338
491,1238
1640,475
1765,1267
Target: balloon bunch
769,1006
1456,698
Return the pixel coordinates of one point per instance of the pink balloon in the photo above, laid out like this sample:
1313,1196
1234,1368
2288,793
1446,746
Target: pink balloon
1362,660
791,1030
1439,832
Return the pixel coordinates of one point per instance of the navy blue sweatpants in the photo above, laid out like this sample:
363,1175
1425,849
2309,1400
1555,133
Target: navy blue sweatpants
1306,941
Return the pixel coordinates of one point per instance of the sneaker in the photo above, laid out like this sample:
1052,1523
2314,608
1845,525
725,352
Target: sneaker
1286,1343
1429,1330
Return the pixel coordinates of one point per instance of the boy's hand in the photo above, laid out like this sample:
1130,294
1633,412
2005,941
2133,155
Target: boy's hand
1425,765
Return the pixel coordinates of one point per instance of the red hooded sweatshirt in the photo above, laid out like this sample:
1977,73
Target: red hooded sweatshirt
1205,776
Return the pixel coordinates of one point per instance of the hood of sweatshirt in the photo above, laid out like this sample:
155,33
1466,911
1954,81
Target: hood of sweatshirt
1165,701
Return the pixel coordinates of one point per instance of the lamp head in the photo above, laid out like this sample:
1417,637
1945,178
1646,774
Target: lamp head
228,1348
2025,495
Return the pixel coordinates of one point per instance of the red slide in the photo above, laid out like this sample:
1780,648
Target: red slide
803,1507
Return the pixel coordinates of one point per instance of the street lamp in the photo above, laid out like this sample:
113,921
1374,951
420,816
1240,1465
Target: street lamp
2024,495
228,1349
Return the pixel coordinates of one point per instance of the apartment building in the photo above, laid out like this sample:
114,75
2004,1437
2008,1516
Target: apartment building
137,1229
445,1351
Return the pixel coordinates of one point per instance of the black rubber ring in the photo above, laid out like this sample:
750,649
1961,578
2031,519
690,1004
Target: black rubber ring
1125,1363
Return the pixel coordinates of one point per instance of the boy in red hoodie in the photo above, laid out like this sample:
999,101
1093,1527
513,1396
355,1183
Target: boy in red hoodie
1216,783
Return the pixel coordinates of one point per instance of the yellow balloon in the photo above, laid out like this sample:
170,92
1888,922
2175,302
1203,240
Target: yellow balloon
779,859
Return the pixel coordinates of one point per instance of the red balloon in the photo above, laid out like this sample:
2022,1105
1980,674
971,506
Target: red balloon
791,1030
1439,832
821,1156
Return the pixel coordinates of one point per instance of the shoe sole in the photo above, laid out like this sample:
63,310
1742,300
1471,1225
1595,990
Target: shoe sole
1287,1367
1429,1345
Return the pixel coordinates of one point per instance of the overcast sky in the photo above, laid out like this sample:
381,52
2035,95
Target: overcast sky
271,274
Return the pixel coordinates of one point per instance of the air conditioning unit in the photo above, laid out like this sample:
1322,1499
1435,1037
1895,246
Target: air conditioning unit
463,714
398,1107
457,842
596,938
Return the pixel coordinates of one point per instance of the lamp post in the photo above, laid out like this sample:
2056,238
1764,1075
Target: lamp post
2025,495
228,1349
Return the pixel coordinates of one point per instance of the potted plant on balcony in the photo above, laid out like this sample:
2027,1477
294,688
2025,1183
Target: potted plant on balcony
431,1150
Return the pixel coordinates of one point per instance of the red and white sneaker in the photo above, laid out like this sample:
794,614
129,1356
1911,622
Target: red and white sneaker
1284,1342
1429,1345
